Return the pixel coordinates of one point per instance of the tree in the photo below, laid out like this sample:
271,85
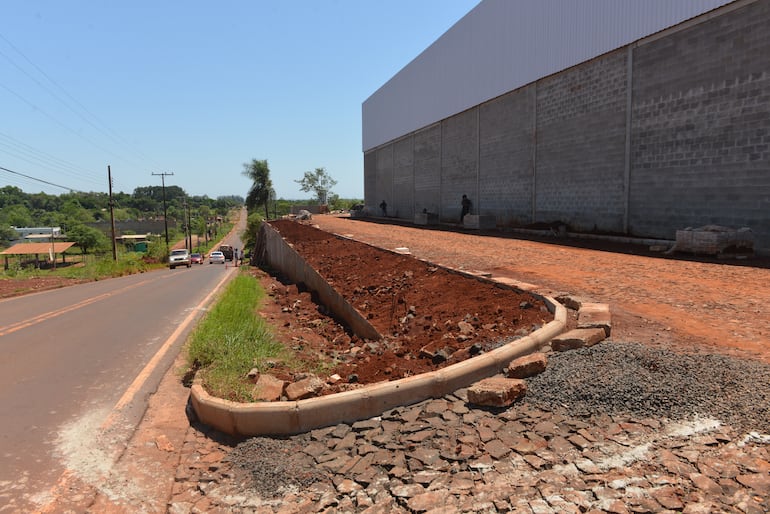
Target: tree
16,215
87,237
12,195
259,193
75,211
251,234
318,181
6,234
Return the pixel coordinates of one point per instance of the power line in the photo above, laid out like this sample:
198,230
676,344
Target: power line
101,127
97,124
38,179
38,157
61,124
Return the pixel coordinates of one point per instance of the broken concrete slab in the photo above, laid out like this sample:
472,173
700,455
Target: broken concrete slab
496,391
578,338
527,366
305,388
595,315
268,388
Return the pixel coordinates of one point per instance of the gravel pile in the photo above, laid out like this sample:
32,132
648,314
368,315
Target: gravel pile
631,378
276,465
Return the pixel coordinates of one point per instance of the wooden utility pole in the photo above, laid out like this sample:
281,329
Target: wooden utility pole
189,226
187,238
112,216
165,211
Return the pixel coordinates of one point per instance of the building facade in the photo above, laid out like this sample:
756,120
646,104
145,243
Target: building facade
636,118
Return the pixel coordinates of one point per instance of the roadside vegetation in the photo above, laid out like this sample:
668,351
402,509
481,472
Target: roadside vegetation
232,339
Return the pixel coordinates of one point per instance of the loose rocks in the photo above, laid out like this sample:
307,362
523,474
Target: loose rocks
615,427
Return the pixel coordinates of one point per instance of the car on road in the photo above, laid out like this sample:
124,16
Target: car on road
227,251
179,257
216,258
197,258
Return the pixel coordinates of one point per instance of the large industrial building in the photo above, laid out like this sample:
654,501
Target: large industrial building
612,116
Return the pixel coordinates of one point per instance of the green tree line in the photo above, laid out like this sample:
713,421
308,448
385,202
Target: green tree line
74,211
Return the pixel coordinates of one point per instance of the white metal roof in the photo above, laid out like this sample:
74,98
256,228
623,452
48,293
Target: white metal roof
502,45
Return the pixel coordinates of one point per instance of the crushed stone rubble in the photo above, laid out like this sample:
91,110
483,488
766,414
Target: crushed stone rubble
617,427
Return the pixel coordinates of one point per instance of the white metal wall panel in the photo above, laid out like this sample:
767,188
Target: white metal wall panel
502,45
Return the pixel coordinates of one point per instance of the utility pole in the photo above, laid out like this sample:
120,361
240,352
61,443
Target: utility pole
165,211
112,216
187,236
189,225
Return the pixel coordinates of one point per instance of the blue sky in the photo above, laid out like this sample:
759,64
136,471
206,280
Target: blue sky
198,88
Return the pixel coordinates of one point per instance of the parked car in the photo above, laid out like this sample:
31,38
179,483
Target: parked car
179,258
216,258
196,258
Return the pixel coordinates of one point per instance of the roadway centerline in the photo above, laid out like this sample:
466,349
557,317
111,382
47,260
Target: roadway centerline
13,327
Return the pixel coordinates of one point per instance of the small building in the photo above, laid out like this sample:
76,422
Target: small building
134,242
37,233
34,250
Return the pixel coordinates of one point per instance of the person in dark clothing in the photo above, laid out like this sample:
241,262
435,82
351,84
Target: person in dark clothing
466,207
384,208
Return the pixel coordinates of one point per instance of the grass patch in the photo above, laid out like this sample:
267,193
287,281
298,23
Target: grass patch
232,339
128,263
85,267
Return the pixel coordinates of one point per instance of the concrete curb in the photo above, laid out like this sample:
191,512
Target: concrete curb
285,418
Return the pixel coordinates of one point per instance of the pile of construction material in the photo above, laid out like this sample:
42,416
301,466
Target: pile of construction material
714,240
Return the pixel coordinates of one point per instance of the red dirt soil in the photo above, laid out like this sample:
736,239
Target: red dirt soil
678,301
429,317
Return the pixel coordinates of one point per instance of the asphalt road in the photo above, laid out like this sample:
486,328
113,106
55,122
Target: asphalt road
77,366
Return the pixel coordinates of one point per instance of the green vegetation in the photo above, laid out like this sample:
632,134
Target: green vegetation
282,207
319,182
232,339
87,267
127,264
79,213
249,236
82,215
261,189
100,265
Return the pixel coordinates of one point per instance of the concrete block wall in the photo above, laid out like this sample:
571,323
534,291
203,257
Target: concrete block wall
506,157
370,182
459,163
403,179
581,127
427,169
384,180
692,150
701,127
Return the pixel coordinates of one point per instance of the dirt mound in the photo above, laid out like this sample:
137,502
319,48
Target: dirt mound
429,317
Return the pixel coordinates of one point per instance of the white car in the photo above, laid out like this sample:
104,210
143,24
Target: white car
216,258
179,258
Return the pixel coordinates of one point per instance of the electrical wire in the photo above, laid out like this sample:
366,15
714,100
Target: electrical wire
38,180
61,165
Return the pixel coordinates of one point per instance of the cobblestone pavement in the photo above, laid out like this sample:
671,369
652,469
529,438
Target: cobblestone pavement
445,455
